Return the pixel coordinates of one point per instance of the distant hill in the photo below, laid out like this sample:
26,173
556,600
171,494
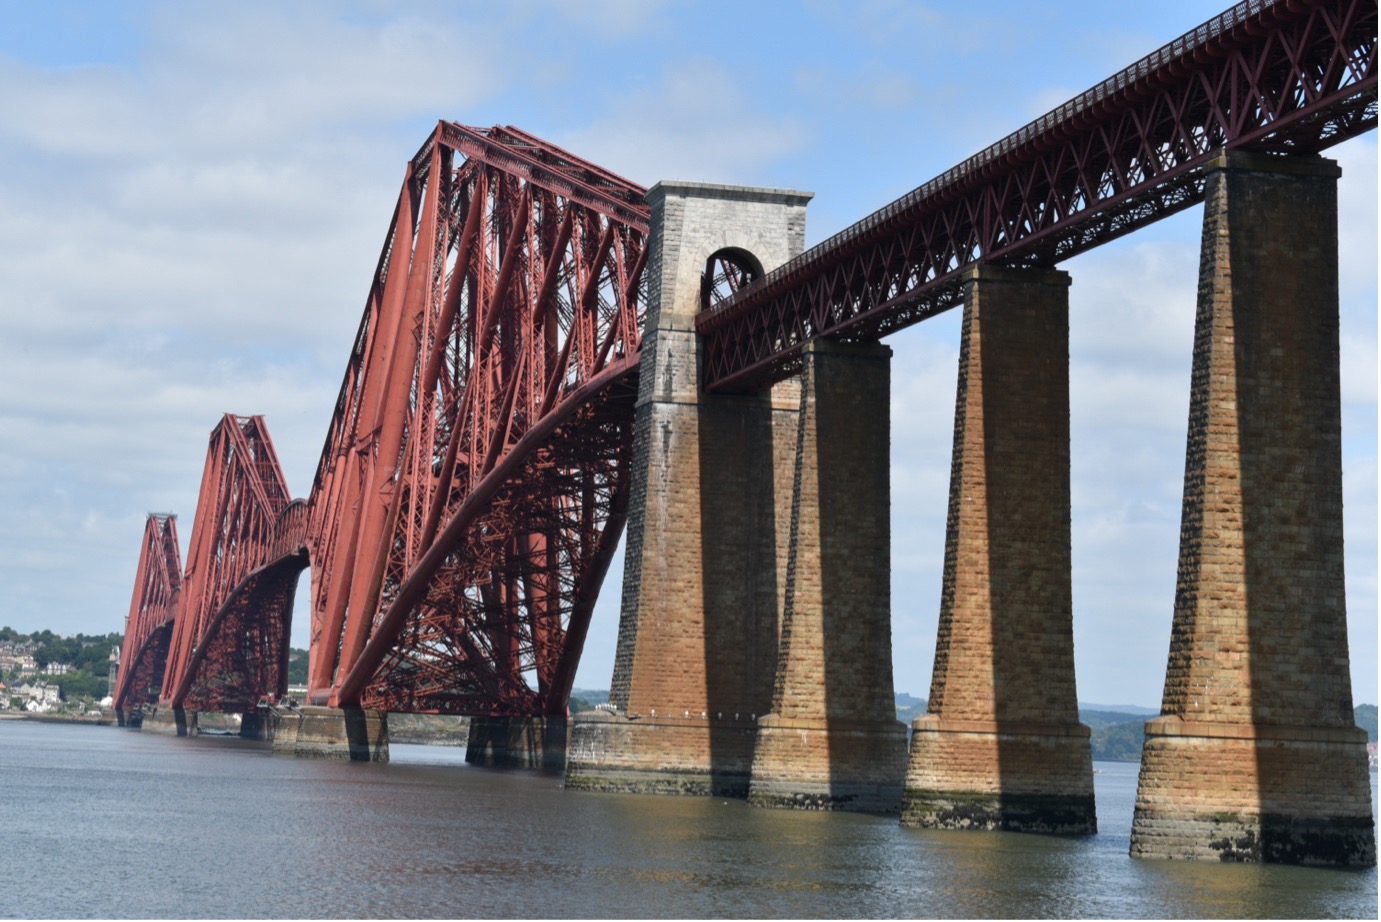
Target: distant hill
1119,709
1096,719
1117,730
1366,719
909,708
585,699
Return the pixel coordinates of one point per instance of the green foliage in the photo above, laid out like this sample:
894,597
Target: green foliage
908,713
1365,714
1118,737
297,666
909,708
82,684
1095,720
580,705
590,697
88,653
1119,742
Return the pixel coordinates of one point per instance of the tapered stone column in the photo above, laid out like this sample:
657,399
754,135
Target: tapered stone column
1001,746
833,741
705,563
1255,756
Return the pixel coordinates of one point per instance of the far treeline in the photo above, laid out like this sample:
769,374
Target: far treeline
87,654
1116,736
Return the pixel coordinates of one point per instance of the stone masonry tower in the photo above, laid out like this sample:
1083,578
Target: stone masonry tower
833,741
1000,745
1255,755
706,558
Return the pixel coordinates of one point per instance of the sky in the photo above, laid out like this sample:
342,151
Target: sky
193,199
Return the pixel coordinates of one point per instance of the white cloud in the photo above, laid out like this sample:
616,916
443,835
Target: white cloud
192,231
695,122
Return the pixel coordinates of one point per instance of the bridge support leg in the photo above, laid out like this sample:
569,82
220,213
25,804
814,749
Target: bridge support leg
164,718
706,547
352,734
832,740
1256,756
518,742
1001,746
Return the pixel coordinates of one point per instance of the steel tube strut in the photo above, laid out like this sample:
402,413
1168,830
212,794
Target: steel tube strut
499,446
148,626
247,547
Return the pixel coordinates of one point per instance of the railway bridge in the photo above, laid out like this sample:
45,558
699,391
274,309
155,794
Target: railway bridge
550,353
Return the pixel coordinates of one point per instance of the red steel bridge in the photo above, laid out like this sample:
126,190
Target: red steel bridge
475,475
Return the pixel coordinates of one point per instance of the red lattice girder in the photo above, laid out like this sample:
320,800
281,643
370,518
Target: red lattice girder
149,624
230,641
473,483
1290,78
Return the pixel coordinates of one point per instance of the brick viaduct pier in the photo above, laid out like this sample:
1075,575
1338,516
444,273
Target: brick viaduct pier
550,353
754,653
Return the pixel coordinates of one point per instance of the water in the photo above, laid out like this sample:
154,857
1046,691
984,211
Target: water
103,822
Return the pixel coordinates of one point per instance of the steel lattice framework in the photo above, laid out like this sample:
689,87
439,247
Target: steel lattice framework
474,479
473,484
1288,77
149,624
230,638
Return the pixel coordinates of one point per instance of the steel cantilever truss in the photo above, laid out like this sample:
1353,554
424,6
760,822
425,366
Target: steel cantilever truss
1277,76
230,642
473,484
149,624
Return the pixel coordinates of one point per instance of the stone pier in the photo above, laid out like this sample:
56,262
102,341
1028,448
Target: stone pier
312,732
832,740
1255,756
1001,746
705,564
164,718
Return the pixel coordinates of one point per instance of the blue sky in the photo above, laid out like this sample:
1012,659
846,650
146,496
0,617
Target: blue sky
193,197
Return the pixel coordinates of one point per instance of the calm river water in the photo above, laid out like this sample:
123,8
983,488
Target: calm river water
104,822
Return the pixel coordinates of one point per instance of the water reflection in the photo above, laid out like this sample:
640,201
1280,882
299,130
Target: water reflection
217,828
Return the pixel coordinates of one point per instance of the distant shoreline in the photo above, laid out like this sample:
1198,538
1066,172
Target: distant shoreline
58,719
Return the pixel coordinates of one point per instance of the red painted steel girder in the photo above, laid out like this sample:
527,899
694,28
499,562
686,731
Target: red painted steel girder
474,480
1289,78
149,624
230,640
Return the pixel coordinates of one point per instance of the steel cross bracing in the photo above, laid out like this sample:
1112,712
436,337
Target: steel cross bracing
473,484
1291,77
230,638
149,624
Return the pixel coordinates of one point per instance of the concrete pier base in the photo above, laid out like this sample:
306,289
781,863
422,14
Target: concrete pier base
254,726
355,734
518,742
971,774
653,755
829,765
1225,792
169,720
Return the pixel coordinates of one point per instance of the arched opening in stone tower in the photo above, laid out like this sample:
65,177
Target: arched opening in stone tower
727,271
